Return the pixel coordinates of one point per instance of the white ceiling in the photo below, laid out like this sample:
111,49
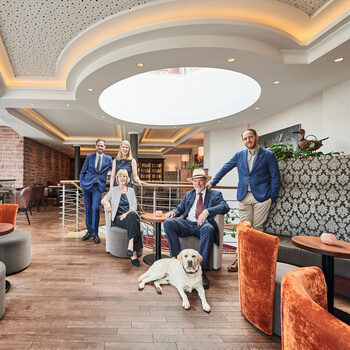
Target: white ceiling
53,52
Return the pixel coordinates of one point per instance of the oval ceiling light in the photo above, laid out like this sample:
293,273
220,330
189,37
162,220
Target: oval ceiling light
338,59
179,95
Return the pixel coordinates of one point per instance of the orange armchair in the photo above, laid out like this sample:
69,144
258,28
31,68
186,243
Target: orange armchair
306,323
259,285
8,213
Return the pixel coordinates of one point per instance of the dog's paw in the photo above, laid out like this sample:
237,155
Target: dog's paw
141,286
186,305
206,308
159,290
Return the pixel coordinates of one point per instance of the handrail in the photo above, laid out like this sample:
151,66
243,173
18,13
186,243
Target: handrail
163,184
152,196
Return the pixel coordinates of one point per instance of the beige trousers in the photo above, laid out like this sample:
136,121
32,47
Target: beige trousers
253,211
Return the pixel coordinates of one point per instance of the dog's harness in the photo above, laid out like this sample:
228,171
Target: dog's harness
190,273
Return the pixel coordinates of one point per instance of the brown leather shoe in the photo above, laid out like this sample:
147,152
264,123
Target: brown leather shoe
233,267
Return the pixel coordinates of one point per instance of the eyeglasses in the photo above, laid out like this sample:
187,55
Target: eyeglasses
122,176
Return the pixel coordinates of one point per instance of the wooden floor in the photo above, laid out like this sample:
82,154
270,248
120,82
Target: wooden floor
74,295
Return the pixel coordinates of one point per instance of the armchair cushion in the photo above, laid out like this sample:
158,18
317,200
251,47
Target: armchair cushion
306,323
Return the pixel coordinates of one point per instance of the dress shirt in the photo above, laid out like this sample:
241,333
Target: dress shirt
251,159
192,213
96,160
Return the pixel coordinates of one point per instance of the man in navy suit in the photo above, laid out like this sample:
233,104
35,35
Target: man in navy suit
198,208
93,182
259,179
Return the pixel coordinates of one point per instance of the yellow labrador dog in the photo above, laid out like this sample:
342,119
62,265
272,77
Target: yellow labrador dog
184,273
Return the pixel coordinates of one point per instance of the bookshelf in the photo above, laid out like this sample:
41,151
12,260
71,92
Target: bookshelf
150,169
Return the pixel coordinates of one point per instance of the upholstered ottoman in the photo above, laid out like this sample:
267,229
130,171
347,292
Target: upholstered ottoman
118,242
2,288
15,251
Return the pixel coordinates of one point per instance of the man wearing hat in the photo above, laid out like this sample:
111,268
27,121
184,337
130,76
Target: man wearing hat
198,208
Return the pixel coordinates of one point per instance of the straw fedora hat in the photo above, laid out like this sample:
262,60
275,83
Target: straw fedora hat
199,173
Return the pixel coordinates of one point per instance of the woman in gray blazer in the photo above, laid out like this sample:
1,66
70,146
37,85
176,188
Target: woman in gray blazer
121,201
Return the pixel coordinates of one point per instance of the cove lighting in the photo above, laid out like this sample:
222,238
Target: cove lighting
192,96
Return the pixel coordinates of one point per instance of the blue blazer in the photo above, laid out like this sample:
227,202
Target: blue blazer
213,202
89,175
264,178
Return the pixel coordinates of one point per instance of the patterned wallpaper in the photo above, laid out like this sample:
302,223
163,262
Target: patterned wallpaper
314,198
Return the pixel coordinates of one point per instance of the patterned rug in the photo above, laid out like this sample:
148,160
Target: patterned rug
148,242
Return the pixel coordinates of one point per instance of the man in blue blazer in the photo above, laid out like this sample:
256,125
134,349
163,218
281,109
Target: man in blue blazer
93,182
259,179
198,208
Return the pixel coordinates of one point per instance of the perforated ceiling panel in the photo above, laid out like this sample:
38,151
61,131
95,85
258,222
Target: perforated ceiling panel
35,32
308,6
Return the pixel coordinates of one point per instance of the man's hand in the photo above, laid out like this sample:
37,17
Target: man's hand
208,186
169,215
202,217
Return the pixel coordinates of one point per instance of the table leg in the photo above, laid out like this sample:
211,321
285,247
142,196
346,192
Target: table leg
151,258
158,240
7,286
328,270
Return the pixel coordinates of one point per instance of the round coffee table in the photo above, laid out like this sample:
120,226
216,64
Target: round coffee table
6,228
157,219
339,250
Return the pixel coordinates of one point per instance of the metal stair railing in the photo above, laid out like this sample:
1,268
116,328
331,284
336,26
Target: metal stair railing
72,208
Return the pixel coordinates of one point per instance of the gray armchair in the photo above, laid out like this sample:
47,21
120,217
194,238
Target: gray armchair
116,239
216,252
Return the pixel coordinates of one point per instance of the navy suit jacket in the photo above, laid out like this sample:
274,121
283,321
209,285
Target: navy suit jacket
89,175
264,178
213,202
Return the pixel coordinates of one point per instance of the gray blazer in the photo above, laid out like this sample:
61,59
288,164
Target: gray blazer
113,196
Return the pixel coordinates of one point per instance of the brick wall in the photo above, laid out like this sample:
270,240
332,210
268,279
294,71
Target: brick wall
11,155
30,162
44,165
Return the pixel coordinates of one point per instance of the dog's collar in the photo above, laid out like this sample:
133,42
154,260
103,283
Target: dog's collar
190,273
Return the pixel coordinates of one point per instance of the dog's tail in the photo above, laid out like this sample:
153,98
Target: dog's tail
142,277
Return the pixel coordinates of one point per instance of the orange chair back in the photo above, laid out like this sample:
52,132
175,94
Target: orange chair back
257,259
8,213
306,323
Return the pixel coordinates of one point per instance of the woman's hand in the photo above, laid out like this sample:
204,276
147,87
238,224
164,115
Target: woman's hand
123,216
142,183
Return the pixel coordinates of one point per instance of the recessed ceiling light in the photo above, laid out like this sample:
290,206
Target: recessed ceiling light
140,64
257,108
32,104
89,89
276,82
339,59
68,105
232,59
219,121
103,116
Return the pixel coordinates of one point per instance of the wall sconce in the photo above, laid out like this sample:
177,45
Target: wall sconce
185,158
200,154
